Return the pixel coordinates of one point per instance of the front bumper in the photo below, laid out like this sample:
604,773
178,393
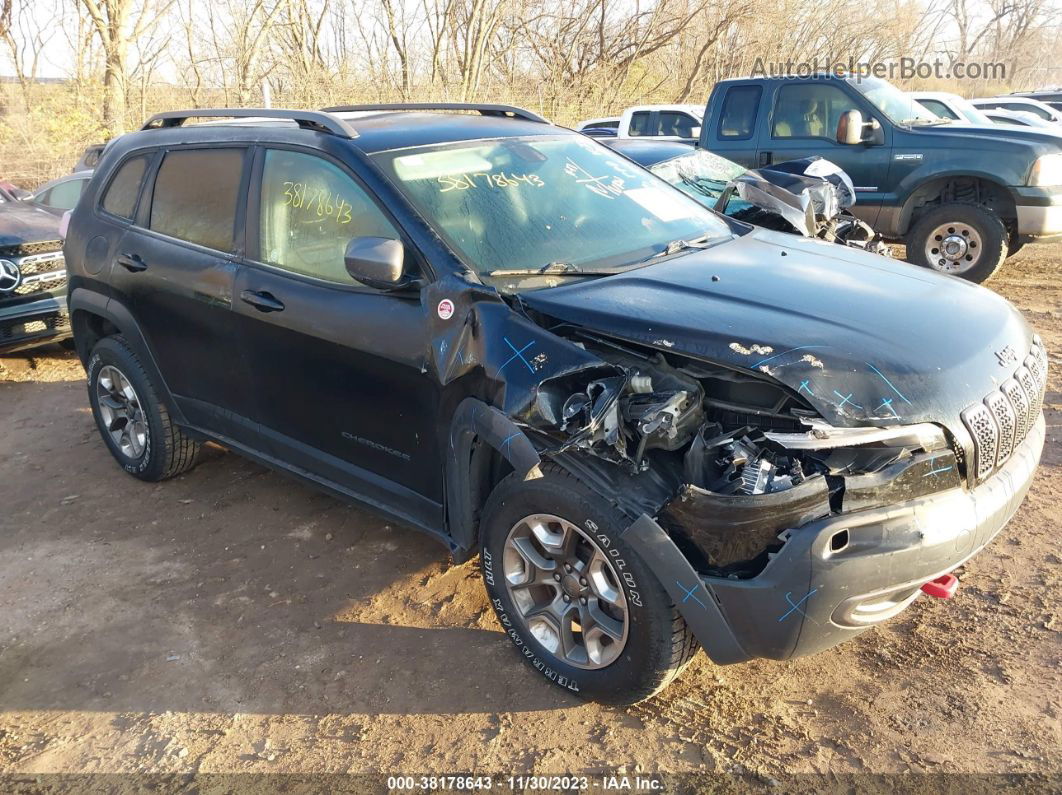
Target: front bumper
816,591
1039,212
34,323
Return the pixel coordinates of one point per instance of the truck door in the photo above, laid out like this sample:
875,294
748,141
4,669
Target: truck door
803,122
732,128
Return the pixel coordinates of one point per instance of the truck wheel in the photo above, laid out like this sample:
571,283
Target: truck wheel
133,422
965,240
573,597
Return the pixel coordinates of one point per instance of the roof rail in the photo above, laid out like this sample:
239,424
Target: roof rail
486,110
307,119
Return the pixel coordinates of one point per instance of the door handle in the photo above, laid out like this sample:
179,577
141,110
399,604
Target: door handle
263,301
131,262
765,158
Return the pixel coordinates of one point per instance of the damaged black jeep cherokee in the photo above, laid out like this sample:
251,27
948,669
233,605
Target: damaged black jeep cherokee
658,427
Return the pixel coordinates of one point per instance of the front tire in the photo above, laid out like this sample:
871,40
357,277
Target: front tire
573,597
133,421
965,240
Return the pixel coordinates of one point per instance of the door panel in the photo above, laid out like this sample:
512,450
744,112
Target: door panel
339,386
181,292
337,369
803,123
182,299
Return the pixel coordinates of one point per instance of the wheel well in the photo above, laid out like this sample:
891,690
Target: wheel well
89,328
972,190
487,468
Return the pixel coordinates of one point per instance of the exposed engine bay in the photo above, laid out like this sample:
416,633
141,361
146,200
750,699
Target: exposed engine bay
736,460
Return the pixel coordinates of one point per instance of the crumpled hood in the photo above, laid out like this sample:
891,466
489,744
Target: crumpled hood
24,223
865,339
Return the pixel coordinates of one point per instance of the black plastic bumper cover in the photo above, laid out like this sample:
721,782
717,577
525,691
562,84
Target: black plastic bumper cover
839,576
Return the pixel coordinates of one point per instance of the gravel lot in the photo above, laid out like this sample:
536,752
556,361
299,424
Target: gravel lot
232,620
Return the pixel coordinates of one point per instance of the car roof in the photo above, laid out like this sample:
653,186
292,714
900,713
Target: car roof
375,131
646,152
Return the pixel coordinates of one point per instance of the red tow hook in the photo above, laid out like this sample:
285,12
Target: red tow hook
942,587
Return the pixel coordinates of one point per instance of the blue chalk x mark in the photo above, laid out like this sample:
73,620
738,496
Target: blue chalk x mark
518,354
796,607
691,593
506,444
887,403
891,385
805,387
846,399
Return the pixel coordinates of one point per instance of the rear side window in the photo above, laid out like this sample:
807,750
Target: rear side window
120,198
195,196
64,195
738,119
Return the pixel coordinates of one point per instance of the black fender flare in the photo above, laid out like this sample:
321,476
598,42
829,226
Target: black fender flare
691,595
475,421
81,299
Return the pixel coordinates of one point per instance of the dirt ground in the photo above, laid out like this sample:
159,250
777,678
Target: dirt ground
232,620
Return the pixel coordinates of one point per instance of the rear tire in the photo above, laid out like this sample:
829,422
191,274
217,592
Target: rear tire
133,421
656,644
961,239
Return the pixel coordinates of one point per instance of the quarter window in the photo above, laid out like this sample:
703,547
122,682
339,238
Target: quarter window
939,108
120,198
311,210
738,119
195,196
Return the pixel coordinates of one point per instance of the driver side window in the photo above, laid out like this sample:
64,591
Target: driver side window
310,210
808,111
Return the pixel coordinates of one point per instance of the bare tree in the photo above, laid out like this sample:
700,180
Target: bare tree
116,23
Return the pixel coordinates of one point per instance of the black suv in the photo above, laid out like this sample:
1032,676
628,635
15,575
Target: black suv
32,276
658,427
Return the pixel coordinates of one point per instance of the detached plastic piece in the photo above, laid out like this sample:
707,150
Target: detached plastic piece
942,587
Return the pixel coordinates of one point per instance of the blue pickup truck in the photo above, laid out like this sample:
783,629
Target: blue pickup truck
963,199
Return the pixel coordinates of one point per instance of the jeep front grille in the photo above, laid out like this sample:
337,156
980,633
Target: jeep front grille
1000,422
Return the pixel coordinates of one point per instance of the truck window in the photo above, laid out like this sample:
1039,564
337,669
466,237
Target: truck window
677,124
808,111
738,119
640,123
120,198
195,196
939,108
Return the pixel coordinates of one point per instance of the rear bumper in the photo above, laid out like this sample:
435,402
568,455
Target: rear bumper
813,595
34,323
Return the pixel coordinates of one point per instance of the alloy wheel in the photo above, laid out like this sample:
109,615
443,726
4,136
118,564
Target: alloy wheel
121,412
566,590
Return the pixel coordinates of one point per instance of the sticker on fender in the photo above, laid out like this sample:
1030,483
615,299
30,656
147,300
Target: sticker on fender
446,309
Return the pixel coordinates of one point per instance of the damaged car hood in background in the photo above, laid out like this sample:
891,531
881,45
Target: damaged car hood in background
882,349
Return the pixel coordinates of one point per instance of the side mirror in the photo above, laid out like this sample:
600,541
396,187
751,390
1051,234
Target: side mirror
377,262
695,132
850,128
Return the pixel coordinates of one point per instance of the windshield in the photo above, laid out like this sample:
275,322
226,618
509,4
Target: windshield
699,173
530,203
970,111
895,104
